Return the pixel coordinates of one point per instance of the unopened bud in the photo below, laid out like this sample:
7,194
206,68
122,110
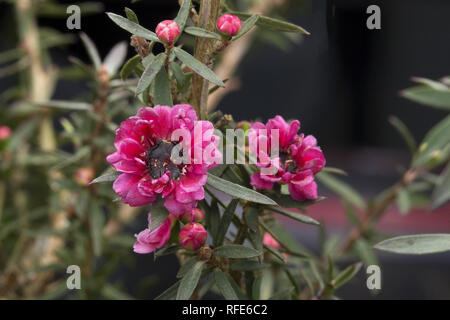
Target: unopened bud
84,176
192,236
167,31
195,215
5,132
229,24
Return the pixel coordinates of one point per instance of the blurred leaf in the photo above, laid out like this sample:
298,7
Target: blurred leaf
247,25
197,66
106,177
365,252
223,283
68,105
183,14
286,201
170,293
190,281
115,58
275,253
335,171
199,32
131,15
434,143
178,74
91,50
163,94
283,294
342,189
238,191
132,27
426,95
112,292
52,9
248,265
236,251
251,217
225,222
347,274
274,24
404,133
403,202
441,193
416,244
296,216
150,73
79,155
430,83
267,284
285,239
186,266
158,215
96,222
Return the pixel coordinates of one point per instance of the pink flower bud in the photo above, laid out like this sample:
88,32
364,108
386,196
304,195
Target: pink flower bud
229,24
84,176
195,215
5,133
167,31
192,236
268,240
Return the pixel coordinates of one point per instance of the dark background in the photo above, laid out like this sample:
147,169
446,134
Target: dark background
342,82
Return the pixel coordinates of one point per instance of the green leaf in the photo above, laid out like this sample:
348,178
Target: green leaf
162,94
248,265
434,143
106,177
183,14
170,293
274,24
426,95
91,50
199,32
67,105
286,201
236,251
131,15
238,191
132,27
190,281
365,252
347,274
342,189
247,25
225,222
275,253
178,74
197,66
251,217
403,201
115,58
96,222
150,73
224,285
404,133
285,239
335,171
441,193
296,216
416,244
129,67
158,215
186,266
110,291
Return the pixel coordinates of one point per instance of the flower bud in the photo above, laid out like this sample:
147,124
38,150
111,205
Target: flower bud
192,236
5,132
167,31
195,215
84,176
229,24
268,240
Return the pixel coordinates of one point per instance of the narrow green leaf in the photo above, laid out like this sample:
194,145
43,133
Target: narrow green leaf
178,74
202,33
238,191
285,239
286,201
186,266
365,252
131,15
91,50
404,133
150,73
236,251
274,24
347,274
115,58
190,281
183,14
67,105
403,201
197,66
248,265
129,67
436,98
224,285
296,216
275,253
96,222
335,171
170,293
247,25
416,244
132,27
110,291
106,177
251,217
225,222
441,193
342,189
162,95
158,215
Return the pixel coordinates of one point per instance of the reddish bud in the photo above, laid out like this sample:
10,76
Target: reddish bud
84,176
229,24
195,215
5,132
167,31
192,236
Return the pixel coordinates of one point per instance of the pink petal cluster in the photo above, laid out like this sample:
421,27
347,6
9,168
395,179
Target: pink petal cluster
5,132
148,241
229,24
167,31
299,158
144,143
195,215
268,240
192,236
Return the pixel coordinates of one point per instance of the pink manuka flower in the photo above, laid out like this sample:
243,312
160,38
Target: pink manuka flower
229,24
297,158
149,241
144,157
268,240
192,236
167,31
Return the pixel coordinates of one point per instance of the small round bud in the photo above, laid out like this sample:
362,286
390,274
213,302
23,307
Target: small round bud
195,215
268,240
229,24
84,176
5,132
167,31
192,236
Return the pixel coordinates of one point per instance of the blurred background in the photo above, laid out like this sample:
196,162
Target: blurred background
342,82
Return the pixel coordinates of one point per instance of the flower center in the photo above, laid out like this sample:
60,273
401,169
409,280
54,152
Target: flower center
287,162
159,161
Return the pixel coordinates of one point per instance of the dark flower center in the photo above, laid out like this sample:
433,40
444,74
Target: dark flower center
287,162
159,161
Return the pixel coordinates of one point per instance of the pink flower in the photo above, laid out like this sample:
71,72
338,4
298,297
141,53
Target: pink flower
299,158
195,215
144,157
229,24
5,132
167,31
268,240
192,236
149,241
